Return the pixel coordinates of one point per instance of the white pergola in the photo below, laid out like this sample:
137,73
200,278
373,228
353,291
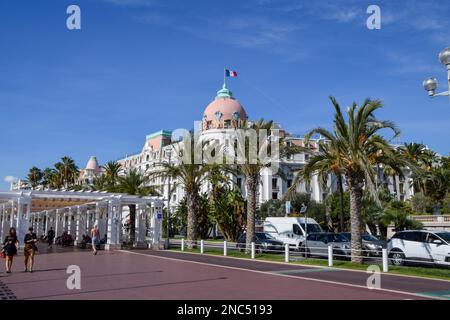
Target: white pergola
77,212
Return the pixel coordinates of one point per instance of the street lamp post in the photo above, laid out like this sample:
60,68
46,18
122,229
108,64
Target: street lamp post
168,206
431,84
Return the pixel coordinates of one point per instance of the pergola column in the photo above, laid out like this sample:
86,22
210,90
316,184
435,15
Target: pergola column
58,223
79,225
113,225
46,226
3,217
156,224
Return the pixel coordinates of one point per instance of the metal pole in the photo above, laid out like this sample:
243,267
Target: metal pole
168,210
253,250
201,247
330,255
306,234
286,252
448,76
225,248
182,244
385,261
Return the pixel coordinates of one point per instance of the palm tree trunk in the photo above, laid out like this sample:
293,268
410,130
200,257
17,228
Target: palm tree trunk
192,206
328,212
341,202
394,179
132,208
252,185
355,186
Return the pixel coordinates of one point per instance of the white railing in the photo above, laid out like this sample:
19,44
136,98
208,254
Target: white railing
330,253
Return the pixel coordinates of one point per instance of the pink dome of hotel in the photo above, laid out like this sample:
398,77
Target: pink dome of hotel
224,112
93,164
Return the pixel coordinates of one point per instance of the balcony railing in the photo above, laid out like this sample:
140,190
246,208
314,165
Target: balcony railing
432,219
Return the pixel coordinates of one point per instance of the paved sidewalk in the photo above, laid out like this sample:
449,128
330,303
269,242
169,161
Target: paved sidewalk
146,274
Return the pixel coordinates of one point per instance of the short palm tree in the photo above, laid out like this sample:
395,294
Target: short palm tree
134,183
34,177
355,147
112,170
67,171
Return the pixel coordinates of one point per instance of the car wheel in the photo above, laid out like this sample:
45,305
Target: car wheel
397,258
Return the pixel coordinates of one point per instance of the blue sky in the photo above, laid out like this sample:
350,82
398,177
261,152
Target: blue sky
138,66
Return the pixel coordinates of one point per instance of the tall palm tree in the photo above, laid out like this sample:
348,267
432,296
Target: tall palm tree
134,183
191,178
359,147
251,169
34,177
252,172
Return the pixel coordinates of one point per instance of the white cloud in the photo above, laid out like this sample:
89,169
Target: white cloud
10,179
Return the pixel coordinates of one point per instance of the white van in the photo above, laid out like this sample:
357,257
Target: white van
290,230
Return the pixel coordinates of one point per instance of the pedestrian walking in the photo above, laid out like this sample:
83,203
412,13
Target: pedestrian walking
30,249
9,249
95,235
50,237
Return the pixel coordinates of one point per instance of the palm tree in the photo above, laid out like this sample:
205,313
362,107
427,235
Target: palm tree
67,171
112,170
355,147
327,161
134,183
191,178
252,173
251,169
34,177
50,178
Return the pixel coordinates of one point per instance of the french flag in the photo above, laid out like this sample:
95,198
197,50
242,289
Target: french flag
230,73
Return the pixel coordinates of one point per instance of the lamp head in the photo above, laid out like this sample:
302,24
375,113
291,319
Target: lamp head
430,85
444,57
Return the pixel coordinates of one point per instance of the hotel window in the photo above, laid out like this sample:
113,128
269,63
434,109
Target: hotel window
227,123
402,188
274,183
174,197
306,157
275,195
289,183
147,158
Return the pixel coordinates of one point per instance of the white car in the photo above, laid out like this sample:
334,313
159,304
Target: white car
423,247
290,230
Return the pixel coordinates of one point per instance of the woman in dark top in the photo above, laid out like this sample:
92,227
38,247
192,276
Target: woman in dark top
30,249
10,246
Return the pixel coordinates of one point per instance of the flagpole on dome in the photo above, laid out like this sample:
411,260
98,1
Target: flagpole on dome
225,77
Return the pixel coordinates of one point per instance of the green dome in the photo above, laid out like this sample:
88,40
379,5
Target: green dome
224,92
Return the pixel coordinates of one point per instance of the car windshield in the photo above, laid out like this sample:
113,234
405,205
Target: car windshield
369,237
444,235
264,236
365,237
313,228
337,238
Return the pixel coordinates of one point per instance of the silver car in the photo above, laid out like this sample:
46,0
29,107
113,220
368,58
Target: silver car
317,244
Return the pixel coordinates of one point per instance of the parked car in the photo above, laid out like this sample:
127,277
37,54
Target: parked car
420,247
317,245
290,230
264,242
372,246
